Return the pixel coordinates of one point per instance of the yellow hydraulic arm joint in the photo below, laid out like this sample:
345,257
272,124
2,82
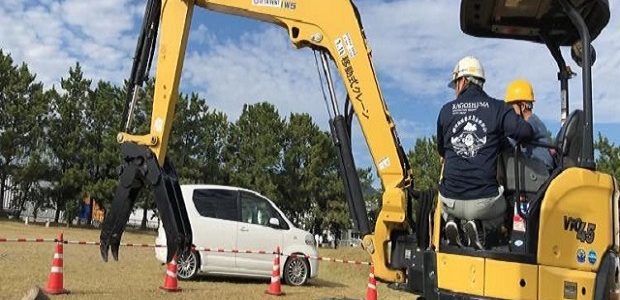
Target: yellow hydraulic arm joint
329,25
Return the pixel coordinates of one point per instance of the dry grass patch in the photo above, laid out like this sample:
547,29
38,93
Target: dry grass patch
137,274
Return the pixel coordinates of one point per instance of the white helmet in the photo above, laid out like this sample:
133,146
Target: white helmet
467,66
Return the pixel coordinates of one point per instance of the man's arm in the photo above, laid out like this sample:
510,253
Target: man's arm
514,126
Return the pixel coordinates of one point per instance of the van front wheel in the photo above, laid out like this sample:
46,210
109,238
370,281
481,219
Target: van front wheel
296,271
188,265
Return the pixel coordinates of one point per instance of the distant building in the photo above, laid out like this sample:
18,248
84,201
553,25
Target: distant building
7,199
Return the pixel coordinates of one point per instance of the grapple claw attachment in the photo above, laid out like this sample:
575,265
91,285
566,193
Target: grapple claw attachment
114,248
140,167
103,248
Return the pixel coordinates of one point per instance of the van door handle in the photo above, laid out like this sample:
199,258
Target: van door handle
244,229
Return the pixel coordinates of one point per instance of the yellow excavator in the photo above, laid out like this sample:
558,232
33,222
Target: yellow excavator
569,248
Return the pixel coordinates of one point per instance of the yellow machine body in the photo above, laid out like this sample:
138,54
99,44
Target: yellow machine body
578,224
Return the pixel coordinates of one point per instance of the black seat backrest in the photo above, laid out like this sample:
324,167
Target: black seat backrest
569,140
532,173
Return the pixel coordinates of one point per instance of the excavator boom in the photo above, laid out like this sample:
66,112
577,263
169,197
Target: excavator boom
331,26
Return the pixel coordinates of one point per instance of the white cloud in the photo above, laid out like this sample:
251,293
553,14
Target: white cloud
256,67
102,21
50,36
410,130
417,43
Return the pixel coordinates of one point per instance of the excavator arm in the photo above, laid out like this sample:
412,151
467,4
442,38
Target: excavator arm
331,26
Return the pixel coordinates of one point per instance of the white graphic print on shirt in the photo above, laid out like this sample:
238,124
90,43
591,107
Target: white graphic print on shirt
467,140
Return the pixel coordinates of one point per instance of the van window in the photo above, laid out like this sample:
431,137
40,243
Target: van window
213,203
256,210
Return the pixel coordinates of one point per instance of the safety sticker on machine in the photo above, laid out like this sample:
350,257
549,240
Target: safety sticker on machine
592,257
581,256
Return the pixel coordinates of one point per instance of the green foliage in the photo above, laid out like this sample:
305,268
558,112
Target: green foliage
304,163
372,196
30,181
23,116
608,160
197,141
253,151
72,146
68,140
102,158
425,164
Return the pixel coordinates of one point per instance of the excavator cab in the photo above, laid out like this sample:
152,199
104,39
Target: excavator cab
547,22
562,234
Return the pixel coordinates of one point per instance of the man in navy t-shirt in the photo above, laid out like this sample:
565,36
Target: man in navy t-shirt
469,132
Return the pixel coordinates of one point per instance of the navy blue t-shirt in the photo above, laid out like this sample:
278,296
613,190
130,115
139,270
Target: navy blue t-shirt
469,131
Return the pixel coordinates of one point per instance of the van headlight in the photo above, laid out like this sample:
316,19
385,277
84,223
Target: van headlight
309,240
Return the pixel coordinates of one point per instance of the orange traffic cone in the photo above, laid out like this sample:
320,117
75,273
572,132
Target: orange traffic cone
275,287
371,292
170,280
55,281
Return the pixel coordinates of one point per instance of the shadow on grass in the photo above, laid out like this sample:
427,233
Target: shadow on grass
316,282
230,279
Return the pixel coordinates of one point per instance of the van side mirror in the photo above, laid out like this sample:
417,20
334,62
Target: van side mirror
274,222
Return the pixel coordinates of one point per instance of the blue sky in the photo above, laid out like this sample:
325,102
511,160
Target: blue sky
231,60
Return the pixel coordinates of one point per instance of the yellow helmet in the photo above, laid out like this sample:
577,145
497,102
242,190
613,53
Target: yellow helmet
519,90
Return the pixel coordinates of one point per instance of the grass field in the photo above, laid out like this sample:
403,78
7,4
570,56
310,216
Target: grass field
137,274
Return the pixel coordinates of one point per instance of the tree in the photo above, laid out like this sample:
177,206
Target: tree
31,183
424,161
214,142
197,141
184,143
23,112
330,208
302,166
608,160
102,151
372,196
254,149
68,141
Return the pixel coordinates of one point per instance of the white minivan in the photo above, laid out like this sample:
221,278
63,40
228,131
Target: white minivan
228,218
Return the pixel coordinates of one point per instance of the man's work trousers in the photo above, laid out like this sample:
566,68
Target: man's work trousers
489,210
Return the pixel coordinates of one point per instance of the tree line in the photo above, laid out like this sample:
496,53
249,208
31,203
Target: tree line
59,143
